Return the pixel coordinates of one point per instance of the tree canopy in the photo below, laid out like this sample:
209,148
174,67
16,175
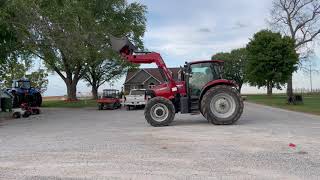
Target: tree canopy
271,59
64,33
234,65
104,71
15,59
299,19
39,80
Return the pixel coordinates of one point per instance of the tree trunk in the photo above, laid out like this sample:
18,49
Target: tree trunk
289,87
71,91
269,89
94,92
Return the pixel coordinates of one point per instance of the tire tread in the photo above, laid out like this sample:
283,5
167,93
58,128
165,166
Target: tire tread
154,101
205,104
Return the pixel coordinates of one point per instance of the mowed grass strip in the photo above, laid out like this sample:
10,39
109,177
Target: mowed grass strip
310,105
67,104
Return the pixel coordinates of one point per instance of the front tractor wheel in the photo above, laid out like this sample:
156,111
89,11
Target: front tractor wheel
159,112
222,105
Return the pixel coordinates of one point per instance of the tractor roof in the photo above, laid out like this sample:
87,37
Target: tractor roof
22,80
110,90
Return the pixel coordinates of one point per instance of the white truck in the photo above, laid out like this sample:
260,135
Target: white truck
136,98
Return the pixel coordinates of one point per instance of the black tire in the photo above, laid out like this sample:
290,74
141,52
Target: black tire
230,100
118,105
100,106
26,114
113,106
16,101
128,108
161,107
16,115
38,99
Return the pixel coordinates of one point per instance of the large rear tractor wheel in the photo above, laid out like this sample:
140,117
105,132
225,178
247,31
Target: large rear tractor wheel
159,112
38,99
16,101
222,105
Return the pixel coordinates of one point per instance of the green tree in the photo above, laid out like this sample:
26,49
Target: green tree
300,19
13,69
14,62
234,65
8,45
39,80
104,71
271,60
63,32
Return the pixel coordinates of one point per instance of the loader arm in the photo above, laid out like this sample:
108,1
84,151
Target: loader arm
127,49
150,58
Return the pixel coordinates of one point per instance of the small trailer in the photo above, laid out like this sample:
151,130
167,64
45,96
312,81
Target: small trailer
110,99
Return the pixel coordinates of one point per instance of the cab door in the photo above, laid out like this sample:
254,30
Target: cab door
200,75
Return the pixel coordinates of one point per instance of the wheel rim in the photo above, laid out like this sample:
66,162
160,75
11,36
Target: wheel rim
159,112
223,105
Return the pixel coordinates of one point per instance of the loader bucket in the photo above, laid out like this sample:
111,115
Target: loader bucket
122,45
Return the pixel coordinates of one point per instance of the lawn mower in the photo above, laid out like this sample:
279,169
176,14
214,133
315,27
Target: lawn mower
201,89
25,111
110,99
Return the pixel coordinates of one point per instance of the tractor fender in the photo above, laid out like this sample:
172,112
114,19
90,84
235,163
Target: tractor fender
12,91
215,83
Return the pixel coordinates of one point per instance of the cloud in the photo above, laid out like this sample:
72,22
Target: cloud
201,28
204,30
240,25
184,42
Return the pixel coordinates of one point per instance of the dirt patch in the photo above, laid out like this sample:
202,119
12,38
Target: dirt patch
53,98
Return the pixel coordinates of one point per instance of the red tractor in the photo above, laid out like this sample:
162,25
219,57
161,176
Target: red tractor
110,99
201,89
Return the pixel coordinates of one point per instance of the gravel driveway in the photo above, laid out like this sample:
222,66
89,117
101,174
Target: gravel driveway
91,144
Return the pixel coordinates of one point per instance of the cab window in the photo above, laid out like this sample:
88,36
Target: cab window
201,74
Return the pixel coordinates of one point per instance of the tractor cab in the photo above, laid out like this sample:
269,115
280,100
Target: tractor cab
110,93
198,74
21,84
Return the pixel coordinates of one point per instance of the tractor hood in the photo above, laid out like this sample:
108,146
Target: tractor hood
122,45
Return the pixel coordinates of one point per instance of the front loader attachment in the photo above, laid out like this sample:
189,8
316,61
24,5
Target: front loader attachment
122,45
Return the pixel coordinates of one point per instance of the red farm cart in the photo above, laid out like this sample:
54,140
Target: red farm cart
110,99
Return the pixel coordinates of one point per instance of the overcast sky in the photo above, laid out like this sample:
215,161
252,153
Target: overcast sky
195,30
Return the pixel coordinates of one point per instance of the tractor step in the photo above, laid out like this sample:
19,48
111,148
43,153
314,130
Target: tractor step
194,104
194,98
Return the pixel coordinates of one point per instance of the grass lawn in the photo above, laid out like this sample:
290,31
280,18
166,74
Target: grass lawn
311,102
64,104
